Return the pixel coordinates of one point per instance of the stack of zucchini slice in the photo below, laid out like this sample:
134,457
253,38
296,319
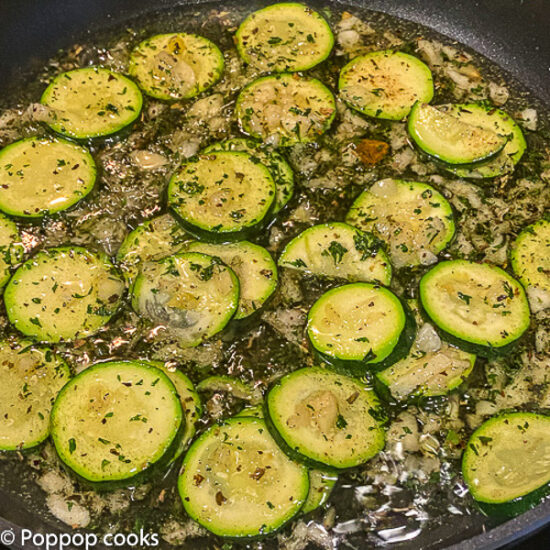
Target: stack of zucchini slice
192,271
471,140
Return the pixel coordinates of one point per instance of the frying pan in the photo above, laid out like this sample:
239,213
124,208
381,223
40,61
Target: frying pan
512,33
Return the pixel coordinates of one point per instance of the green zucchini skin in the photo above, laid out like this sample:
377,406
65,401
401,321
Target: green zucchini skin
359,369
480,447
406,339
489,117
64,90
292,481
280,170
487,352
272,57
218,237
178,48
190,200
254,267
437,149
140,476
474,344
190,402
321,484
390,352
57,185
301,451
411,84
30,297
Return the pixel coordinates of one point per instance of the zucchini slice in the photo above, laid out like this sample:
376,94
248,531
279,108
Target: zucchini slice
189,398
450,139
321,484
530,260
152,240
478,306
356,322
279,168
63,293
506,460
414,219
385,84
237,388
115,420
490,118
426,370
254,267
257,411
338,250
11,248
285,109
286,36
222,196
176,66
236,482
91,102
325,418
192,294
41,176
31,378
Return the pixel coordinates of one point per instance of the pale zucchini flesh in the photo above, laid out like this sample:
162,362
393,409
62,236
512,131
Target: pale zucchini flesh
91,102
254,267
476,303
278,167
176,66
338,250
325,417
385,84
11,248
413,218
356,322
31,378
152,240
508,457
63,294
285,36
236,482
285,109
222,194
115,420
41,176
450,139
191,294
